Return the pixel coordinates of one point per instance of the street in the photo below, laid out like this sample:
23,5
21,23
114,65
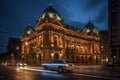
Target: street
8,73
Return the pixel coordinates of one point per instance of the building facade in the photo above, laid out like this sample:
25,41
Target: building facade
114,30
104,46
53,39
14,48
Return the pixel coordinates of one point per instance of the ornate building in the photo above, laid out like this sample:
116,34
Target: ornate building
52,39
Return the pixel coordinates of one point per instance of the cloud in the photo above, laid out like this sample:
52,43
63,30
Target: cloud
91,4
76,24
100,10
102,17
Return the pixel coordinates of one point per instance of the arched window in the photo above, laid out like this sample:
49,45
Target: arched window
39,40
77,49
56,40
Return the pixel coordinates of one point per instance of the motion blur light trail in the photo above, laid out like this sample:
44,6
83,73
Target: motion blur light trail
38,70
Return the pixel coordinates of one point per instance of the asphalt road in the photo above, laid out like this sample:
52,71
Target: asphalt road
37,74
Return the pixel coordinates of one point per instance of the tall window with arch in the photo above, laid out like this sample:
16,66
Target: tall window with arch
77,49
56,40
39,39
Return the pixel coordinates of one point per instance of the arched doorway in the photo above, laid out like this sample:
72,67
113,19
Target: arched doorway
39,58
56,56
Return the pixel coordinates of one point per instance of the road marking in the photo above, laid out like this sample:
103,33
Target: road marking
38,70
97,76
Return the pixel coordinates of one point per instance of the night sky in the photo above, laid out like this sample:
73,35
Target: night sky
15,15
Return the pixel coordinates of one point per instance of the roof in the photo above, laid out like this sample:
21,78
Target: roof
51,12
90,28
28,30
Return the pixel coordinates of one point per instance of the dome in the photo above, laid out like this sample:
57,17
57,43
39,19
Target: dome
51,12
28,30
90,28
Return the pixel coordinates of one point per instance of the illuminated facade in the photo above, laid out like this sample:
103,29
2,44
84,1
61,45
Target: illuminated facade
52,39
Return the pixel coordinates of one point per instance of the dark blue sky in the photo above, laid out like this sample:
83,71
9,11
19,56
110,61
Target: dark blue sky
16,14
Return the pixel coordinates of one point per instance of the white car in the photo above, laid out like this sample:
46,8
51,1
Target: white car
58,65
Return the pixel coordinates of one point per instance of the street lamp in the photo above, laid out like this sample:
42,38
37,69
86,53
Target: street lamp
17,53
26,43
12,57
17,48
52,54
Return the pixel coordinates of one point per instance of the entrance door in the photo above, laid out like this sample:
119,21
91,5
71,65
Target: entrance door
56,56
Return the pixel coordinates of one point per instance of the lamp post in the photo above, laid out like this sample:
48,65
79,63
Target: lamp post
113,55
26,43
12,59
52,54
17,48
23,55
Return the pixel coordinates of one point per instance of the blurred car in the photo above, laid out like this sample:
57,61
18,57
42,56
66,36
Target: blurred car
58,65
9,63
21,65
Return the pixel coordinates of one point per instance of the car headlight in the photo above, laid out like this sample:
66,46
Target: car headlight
21,64
66,65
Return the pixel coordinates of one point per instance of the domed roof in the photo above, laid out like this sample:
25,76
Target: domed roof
51,12
28,30
90,28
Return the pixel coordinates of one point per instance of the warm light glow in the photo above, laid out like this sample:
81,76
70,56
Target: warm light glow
41,45
66,65
61,55
17,48
95,57
42,54
95,51
18,69
52,54
26,43
52,45
101,46
61,46
106,59
81,47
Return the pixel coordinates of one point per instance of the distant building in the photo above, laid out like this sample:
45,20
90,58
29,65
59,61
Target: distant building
52,39
14,47
114,30
104,46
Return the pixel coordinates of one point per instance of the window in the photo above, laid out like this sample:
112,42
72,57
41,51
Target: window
51,15
58,61
115,35
87,30
115,19
56,40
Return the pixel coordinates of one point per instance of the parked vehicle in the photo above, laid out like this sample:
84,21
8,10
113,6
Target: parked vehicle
58,65
21,65
9,63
